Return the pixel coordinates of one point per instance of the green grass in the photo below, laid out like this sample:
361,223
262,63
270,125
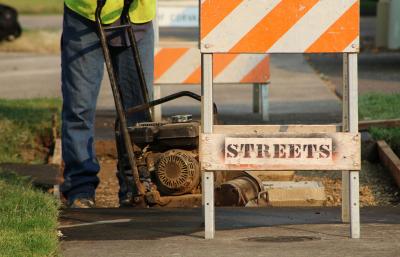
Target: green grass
28,219
377,106
36,6
25,129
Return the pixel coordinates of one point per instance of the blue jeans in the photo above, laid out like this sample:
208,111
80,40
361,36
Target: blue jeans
82,64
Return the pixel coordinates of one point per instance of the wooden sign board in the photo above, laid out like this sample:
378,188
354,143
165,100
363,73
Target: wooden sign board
279,26
280,151
182,65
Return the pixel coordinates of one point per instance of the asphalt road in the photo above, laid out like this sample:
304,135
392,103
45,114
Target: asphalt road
29,76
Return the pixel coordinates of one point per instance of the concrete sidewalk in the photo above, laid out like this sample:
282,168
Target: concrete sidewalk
300,232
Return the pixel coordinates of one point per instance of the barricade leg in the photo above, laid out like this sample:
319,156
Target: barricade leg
209,211
345,128
353,127
260,100
256,98
264,101
207,127
345,196
354,205
157,112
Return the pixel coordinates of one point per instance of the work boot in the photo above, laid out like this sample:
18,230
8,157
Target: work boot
82,203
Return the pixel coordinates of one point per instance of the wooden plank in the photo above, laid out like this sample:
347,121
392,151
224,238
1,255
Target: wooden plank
42,175
280,151
389,160
365,125
267,129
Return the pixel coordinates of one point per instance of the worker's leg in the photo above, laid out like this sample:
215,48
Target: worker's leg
130,87
127,74
82,71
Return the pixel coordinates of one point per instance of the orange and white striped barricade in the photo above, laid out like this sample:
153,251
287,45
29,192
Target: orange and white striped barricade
182,65
281,26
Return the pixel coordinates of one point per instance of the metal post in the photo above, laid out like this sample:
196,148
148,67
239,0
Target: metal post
209,211
353,127
354,205
157,111
264,101
345,128
256,98
207,127
207,93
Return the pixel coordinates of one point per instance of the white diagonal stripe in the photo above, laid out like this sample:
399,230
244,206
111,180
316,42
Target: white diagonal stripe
157,50
182,68
353,46
311,26
238,23
242,65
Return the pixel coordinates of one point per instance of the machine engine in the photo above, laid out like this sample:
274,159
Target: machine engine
169,154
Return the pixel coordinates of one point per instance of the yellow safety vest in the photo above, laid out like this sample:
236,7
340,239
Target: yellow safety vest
141,11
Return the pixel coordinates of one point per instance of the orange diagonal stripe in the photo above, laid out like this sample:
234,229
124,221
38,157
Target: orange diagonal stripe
194,78
260,73
165,58
221,61
338,36
213,12
274,25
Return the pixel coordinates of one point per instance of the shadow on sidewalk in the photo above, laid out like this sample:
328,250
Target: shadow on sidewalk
154,224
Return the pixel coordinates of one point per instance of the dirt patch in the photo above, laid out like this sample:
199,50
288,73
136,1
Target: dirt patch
377,187
107,192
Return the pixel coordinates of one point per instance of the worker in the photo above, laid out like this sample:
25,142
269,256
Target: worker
82,63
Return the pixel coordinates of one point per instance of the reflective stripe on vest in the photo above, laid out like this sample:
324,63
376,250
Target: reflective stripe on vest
141,11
